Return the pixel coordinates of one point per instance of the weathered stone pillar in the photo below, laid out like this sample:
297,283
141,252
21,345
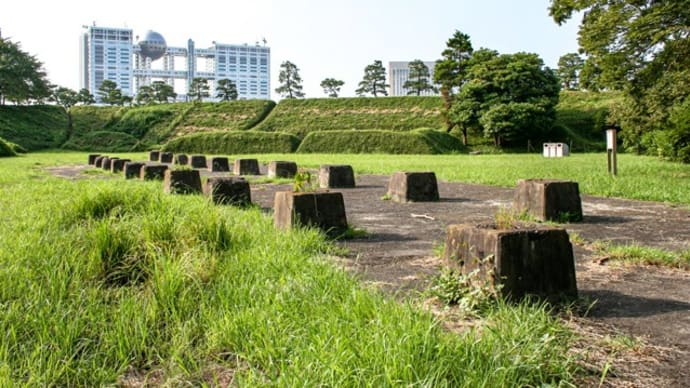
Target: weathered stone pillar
281,169
218,163
117,165
181,159
323,210
98,162
521,261
549,200
197,161
154,156
336,176
246,167
107,162
182,181
153,171
413,187
166,157
133,169
228,190
92,159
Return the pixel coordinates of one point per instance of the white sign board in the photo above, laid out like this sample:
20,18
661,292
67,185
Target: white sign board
610,139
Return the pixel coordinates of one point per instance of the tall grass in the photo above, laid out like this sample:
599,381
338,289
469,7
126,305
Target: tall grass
107,281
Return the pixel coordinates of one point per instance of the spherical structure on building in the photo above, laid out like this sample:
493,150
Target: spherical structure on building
153,45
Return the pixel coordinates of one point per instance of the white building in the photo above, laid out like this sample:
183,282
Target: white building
399,73
106,54
247,65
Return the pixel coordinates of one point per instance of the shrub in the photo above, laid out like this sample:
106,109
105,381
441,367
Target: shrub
106,141
6,149
234,142
33,127
420,141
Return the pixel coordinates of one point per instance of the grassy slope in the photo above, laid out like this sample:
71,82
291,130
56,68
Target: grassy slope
33,127
101,279
323,114
580,117
418,141
233,142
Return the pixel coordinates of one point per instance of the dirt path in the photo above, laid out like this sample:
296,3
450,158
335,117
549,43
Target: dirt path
649,302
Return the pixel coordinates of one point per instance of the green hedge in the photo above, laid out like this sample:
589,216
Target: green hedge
301,116
33,127
105,141
420,141
234,142
6,149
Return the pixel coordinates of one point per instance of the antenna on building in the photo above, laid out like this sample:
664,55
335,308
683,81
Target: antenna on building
264,40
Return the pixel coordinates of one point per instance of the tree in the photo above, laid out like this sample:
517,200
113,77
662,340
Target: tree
374,80
67,98
418,80
641,47
331,86
162,92
198,88
109,93
85,97
21,76
509,97
450,74
569,69
290,81
145,95
226,90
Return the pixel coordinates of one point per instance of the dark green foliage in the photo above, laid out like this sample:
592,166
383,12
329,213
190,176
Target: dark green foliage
6,149
290,81
322,114
226,90
569,68
104,141
331,86
580,118
22,78
420,141
418,81
199,89
17,148
33,127
94,118
235,142
374,80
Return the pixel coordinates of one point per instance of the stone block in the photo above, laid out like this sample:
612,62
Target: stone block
197,161
413,187
92,159
117,165
549,200
218,164
154,156
228,191
107,162
132,169
246,167
281,169
182,181
325,210
98,162
537,261
181,159
153,171
166,157
336,176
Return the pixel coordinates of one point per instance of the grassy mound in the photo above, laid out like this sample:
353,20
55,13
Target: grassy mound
580,117
420,141
231,115
105,141
33,127
234,142
87,118
301,116
6,149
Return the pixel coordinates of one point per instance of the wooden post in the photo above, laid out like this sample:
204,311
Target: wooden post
611,149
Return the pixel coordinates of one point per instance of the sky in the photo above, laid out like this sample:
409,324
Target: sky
325,39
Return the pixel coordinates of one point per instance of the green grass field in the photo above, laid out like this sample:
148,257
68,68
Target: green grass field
108,281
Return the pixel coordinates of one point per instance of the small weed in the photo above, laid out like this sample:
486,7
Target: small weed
439,249
351,233
567,217
303,182
470,292
386,197
576,239
507,218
